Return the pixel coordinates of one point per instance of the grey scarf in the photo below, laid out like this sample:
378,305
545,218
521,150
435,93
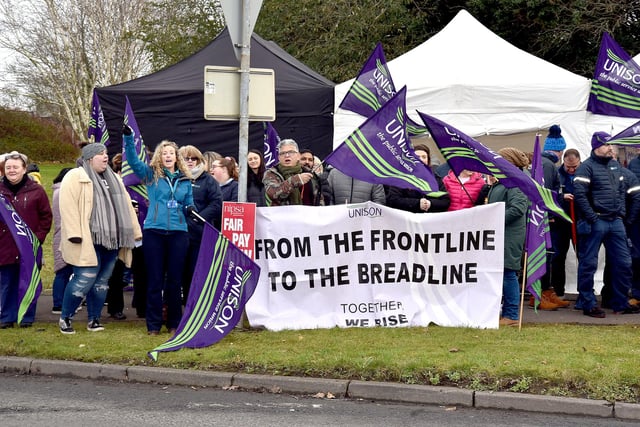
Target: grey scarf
110,223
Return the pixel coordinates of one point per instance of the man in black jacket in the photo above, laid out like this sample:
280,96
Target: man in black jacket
600,195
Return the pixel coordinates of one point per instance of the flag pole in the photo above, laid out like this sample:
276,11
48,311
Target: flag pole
524,281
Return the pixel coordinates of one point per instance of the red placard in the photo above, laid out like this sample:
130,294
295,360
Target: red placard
239,225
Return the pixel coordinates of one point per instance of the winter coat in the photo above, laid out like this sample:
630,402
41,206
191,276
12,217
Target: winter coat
515,222
600,189
463,195
345,189
229,191
76,205
255,189
32,204
58,261
277,189
208,200
161,191
550,171
408,199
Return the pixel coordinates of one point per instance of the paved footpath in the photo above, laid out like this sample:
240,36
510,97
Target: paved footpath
370,390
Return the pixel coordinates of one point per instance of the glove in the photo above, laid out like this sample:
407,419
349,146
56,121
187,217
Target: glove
126,130
75,239
193,213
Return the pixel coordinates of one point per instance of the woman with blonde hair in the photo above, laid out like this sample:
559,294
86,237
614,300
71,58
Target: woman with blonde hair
165,230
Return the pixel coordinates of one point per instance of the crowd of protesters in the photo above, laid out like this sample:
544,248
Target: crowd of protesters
102,236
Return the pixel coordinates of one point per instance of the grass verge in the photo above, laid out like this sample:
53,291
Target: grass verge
562,360
597,362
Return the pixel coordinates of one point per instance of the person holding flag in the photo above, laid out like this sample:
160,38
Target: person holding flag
166,237
515,223
565,231
30,202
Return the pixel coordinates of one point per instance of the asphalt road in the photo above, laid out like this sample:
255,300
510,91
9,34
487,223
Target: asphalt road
27,400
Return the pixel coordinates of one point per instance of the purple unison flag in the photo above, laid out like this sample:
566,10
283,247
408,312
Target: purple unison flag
224,280
615,88
30,283
630,137
380,152
537,238
128,176
97,130
463,152
373,88
271,140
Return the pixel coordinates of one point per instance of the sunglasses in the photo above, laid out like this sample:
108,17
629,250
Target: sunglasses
16,156
192,159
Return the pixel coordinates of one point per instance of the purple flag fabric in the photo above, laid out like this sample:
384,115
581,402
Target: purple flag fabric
380,152
537,238
30,283
271,140
128,176
630,137
463,152
615,88
224,280
97,130
373,88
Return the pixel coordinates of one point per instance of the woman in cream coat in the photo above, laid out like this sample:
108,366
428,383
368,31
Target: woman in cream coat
98,225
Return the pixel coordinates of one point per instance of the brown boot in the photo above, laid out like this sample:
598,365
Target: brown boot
545,303
532,301
551,295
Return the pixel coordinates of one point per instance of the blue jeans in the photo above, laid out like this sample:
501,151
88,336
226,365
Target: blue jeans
614,237
9,280
90,282
60,283
510,295
165,253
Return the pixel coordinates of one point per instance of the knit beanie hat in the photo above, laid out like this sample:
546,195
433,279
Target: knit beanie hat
599,139
90,150
554,141
514,156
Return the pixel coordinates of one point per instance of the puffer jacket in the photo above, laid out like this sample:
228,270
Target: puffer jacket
600,189
32,204
159,215
463,195
346,189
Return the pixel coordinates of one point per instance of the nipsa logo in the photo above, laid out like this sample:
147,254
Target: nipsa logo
371,212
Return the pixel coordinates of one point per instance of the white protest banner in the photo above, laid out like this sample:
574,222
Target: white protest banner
368,265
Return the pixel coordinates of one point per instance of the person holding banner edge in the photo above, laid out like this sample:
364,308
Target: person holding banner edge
411,200
165,230
30,201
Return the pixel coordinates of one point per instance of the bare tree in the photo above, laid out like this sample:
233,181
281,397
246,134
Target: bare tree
65,48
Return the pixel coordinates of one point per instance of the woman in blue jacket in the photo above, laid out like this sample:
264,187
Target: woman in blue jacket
165,232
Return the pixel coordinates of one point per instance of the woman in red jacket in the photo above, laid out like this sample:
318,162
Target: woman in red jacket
464,189
30,201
